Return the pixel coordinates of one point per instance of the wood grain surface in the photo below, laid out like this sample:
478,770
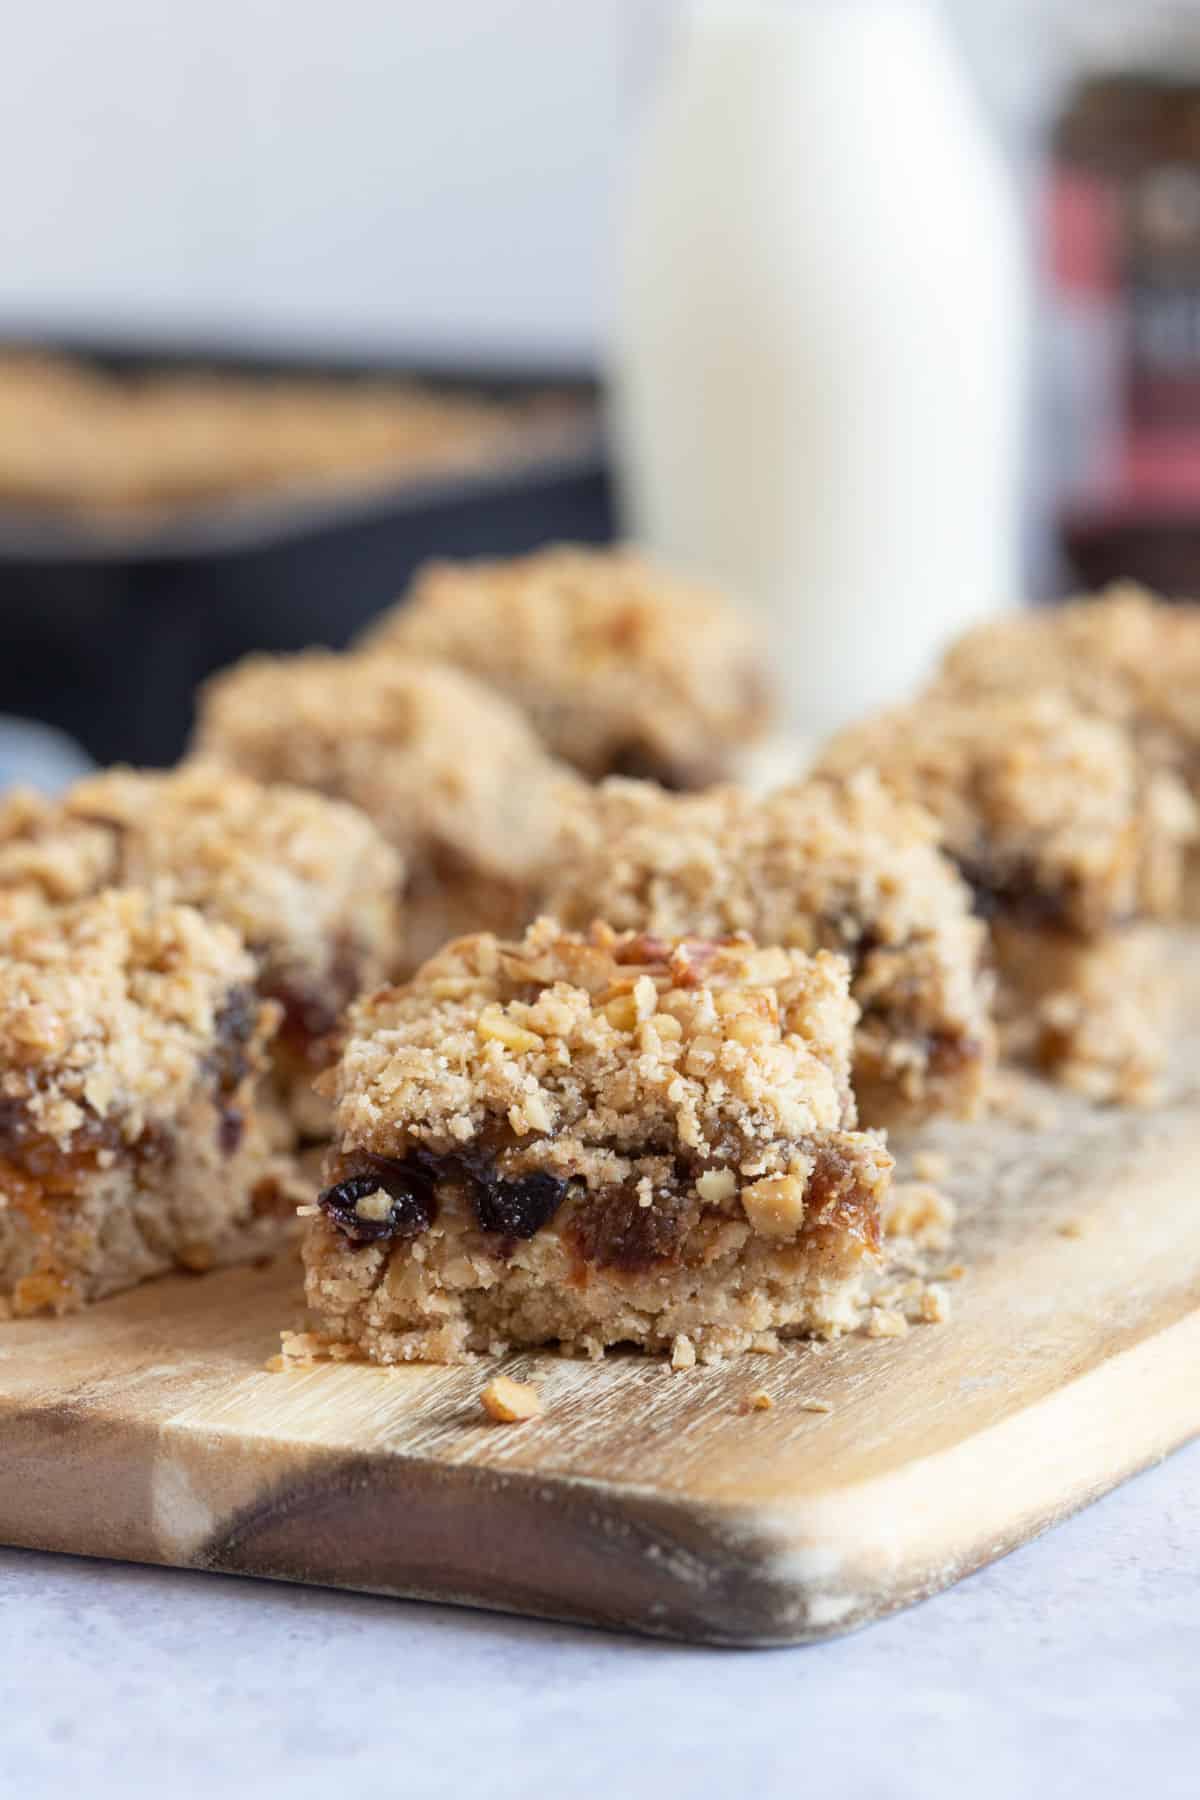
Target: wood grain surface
149,1428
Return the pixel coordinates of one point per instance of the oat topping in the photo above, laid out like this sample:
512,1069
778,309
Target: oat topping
450,774
622,668
835,865
305,881
1124,656
109,1010
1048,812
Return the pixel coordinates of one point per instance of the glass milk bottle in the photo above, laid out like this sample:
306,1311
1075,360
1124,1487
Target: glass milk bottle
820,346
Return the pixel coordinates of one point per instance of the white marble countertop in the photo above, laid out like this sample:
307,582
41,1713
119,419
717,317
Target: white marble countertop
1071,1669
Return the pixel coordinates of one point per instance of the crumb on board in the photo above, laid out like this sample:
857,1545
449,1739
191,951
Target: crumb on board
886,1322
304,1349
510,1402
683,1353
931,1165
758,1401
1070,1228
816,1406
920,1211
935,1305
1020,1100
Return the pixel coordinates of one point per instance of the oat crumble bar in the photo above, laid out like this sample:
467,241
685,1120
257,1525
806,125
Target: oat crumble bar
131,1039
310,885
835,865
622,668
596,1140
1071,845
450,774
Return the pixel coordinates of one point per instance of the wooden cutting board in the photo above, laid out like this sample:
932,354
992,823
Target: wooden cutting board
150,1429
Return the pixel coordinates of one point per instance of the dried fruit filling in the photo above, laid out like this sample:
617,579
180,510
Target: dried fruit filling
514,1208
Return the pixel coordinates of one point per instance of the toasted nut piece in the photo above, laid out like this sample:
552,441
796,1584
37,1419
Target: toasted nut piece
494,1022
758,1401
374,1207
750,1031
621,1012
716,1185
775,1205
510,1402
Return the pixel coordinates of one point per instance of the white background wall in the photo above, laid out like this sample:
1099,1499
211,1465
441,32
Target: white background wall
413,174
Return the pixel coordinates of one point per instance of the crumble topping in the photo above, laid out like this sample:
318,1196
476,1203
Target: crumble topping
838,865
622,668
618,1037
1049,812
449,773
308,883
1124,656
113,1009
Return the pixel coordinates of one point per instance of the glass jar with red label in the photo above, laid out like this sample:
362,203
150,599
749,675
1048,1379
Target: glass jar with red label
1123,248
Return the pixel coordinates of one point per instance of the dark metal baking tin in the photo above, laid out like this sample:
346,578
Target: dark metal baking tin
105,632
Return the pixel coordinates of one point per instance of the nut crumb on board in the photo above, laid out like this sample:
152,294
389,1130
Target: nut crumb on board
1070,1228
816,1406
758,1401
883,1322
304,1349
510,1402
683,1353
921,1212
935,1305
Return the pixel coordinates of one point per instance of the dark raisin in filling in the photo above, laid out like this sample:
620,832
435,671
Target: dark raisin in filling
235,1027
1010,892
516,1208
409,1186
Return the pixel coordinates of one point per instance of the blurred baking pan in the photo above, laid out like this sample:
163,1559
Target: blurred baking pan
108,623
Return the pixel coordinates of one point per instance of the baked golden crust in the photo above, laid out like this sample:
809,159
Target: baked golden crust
449,773
131,1042
835,865
596,1139
622,668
